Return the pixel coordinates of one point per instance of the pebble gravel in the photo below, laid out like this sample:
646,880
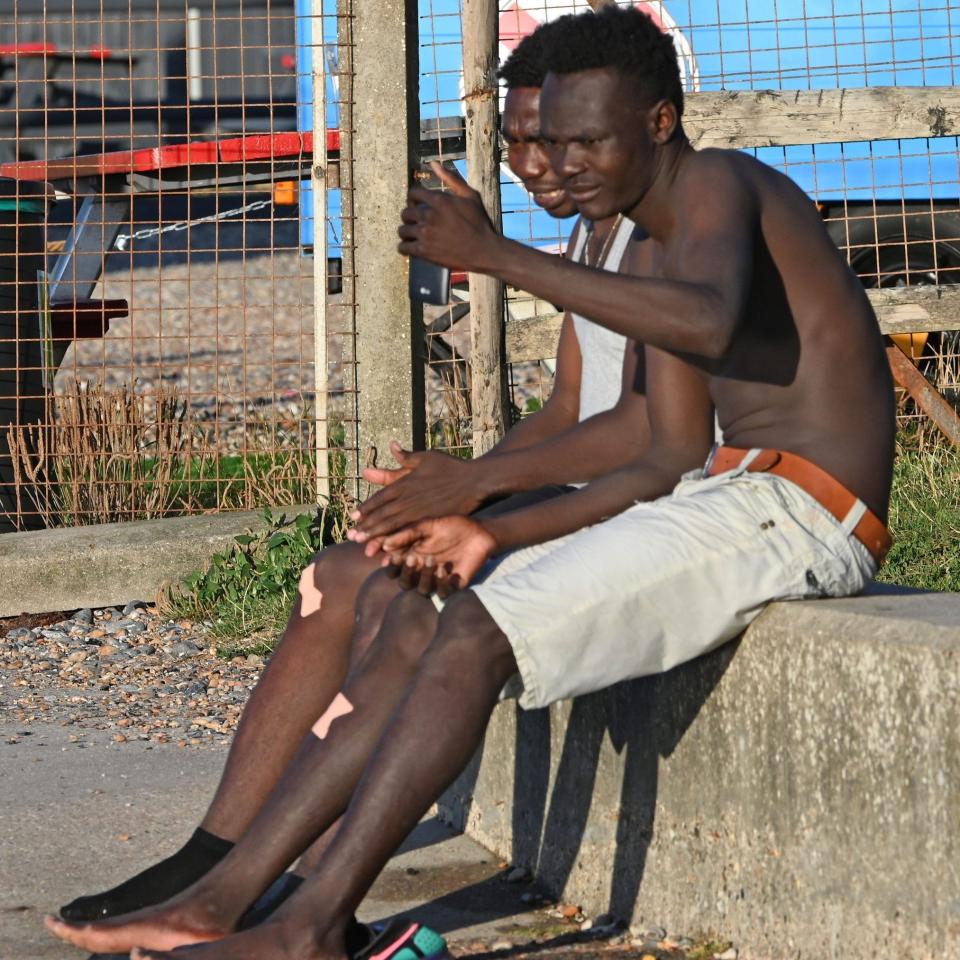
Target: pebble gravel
124,669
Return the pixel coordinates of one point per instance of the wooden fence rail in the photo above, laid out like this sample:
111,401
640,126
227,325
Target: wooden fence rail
899,310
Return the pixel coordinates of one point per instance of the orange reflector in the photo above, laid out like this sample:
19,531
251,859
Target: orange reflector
285,193
911,344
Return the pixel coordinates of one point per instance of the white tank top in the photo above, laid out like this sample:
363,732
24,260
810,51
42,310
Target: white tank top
601,350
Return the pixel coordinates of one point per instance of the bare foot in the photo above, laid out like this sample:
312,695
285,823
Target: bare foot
162,928
272,940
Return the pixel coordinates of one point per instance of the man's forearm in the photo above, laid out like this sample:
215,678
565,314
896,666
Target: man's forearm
536,428
579,454
672,315
646,479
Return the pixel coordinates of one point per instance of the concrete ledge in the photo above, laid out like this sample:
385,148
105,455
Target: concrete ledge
795,791
105,564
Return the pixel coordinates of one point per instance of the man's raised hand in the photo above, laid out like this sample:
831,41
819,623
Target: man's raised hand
442,554
426,484
451,229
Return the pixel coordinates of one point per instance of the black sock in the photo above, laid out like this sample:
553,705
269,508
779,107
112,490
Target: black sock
199,854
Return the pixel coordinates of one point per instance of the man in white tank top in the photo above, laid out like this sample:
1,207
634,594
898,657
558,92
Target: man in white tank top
596,412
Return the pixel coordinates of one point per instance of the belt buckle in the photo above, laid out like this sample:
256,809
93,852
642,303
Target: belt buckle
711,456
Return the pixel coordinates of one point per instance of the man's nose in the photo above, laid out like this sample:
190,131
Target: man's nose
537,161
566,160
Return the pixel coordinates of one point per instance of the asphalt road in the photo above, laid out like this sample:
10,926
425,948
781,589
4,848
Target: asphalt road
78,819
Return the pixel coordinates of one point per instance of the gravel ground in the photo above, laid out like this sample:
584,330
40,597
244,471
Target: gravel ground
235,338
130,671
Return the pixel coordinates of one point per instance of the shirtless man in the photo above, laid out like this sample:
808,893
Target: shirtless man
587,426
744,295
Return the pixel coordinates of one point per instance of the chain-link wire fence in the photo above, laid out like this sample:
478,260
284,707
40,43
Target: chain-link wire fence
162,346
891,203
157,340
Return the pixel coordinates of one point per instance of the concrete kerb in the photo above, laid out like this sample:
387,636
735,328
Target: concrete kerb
104,564
795,791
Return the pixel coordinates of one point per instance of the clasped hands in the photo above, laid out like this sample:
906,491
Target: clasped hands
417,521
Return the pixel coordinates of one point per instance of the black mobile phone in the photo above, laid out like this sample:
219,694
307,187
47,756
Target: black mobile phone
429,283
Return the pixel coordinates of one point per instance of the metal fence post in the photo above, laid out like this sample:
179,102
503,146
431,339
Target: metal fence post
386,134
318,179
487,349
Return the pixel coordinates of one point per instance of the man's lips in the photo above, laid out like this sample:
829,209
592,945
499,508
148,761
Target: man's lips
549,198
582,193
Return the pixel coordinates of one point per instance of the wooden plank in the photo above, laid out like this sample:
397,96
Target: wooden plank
533,338
761,118
917,309
488,385
899,310
924,394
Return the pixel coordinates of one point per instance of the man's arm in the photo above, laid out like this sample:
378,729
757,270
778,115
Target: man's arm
695,307
430,483
681,418
582,452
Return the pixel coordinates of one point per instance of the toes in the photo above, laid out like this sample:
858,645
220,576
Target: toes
61,928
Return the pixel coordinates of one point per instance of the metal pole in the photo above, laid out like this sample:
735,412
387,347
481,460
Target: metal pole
487,352
348,271
318,174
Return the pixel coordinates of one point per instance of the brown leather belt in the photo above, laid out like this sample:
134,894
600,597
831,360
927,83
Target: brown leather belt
828,492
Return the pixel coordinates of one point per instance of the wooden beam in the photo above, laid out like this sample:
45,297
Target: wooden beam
899,310
762,118
917,309
924,394
488,385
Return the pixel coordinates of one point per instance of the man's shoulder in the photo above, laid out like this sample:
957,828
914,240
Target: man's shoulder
728,165
716,177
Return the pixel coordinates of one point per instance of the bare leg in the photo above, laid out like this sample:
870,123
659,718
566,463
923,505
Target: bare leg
305,673
430,737
308,798
301,679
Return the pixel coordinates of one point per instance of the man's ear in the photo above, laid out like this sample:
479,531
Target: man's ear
662,121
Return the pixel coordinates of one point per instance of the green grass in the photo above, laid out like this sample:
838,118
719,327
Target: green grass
246,592
925,515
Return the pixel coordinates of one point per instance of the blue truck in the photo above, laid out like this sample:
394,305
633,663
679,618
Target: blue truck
893,204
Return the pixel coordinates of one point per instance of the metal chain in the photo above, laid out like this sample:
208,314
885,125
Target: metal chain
124,238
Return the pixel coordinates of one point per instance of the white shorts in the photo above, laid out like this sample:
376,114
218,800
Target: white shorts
665,581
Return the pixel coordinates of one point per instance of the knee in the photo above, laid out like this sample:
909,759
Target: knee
408,624
341,567
466,632
374,596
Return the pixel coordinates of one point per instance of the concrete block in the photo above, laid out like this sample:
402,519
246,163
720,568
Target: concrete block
105,564
795,791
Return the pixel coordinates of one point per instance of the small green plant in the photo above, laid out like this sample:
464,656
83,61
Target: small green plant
707,947
247,591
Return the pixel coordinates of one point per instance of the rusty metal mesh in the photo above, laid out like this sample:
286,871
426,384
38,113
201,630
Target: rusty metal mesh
198,392
890,205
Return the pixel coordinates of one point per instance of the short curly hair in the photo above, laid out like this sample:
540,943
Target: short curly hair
623,38
525,67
